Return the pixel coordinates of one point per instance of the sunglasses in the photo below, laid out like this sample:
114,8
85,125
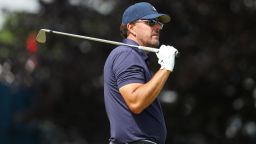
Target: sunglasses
152,22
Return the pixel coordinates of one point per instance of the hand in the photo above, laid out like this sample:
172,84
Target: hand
166,57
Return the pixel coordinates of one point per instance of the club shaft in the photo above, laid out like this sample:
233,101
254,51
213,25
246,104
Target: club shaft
149,49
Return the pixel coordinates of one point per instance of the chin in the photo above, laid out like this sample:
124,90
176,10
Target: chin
155,44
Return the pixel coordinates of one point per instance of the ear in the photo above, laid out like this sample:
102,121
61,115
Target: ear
131,29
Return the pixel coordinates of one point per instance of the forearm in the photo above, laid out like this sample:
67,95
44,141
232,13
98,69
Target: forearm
148,92
140,96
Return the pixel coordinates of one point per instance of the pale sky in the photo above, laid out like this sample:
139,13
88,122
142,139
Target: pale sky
31,6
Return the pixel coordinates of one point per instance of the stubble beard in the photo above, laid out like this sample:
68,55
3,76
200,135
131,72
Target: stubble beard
150,41
154,43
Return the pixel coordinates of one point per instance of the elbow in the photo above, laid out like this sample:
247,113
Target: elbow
136,109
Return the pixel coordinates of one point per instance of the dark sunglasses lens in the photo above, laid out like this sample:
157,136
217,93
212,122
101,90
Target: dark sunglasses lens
152,22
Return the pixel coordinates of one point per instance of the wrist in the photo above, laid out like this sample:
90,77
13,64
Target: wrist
166,68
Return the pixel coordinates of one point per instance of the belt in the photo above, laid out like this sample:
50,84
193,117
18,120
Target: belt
137,142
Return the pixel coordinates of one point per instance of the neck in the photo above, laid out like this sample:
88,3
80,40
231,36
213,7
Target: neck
134,39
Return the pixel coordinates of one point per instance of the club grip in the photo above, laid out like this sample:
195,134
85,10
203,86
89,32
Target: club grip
155,50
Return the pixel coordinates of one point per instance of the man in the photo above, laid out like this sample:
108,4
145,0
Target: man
130,90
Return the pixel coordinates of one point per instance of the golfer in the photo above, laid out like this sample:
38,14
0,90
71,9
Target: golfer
130,89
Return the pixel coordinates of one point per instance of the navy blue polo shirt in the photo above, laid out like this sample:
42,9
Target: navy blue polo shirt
126,65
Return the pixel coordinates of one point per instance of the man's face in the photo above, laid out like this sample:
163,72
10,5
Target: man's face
146,33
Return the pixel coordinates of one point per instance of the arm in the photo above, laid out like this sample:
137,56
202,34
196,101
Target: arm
139,96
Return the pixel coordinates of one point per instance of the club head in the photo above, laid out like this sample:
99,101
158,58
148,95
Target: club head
41,36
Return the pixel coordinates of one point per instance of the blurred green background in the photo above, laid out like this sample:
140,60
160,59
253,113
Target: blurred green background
53,93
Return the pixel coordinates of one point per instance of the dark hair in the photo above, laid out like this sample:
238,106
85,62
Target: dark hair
123,30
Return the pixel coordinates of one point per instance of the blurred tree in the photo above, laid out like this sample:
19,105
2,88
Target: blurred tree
214,78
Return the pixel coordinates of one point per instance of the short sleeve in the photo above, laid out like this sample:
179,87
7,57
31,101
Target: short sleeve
128,68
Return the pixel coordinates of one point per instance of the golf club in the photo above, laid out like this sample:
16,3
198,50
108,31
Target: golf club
41,38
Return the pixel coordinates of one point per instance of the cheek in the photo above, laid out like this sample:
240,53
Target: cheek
143,33
143,30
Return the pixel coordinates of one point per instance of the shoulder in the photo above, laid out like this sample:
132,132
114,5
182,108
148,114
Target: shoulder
122,52
122,49
123,56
